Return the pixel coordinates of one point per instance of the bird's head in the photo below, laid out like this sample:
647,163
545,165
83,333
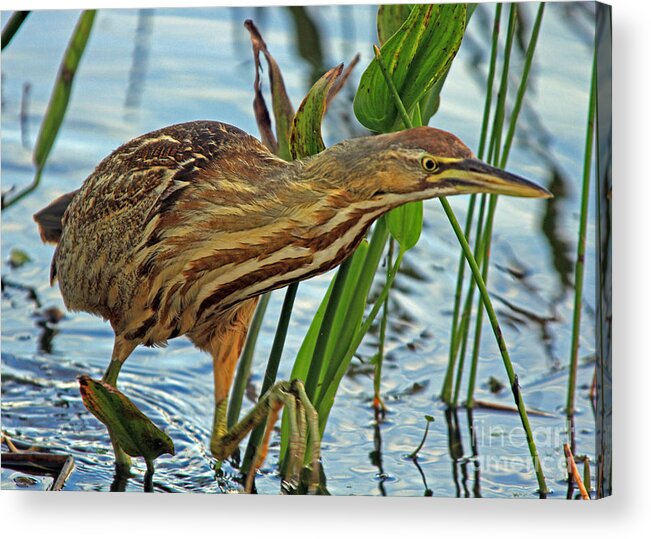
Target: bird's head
419,163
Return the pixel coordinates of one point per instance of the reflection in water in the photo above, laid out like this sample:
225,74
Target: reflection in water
45,318
139,61
476,489
543,323
24,115
376,457
455,445
308,41
552,227
428,491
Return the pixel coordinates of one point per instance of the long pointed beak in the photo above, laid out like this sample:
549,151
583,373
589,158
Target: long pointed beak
475,176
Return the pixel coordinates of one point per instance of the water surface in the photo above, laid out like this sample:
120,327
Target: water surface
146,69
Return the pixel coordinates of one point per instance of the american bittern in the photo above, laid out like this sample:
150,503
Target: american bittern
180,230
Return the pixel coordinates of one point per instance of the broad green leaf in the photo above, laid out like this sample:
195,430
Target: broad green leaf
133,430
417,56
405,224
390,17
305,138
58,104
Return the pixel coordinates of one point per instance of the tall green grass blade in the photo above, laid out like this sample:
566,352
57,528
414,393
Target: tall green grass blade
59,99
501,162
580,248
13,25
498,122
500,109
360,293
508,365
272,369
320,346
522,88
474,362
326,397
303,359
344,318
246,361
490,81
446,389
378,360
465,319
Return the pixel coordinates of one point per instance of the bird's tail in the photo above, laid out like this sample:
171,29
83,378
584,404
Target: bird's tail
49,219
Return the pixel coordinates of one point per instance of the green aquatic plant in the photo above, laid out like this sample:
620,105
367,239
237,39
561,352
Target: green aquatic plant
59,99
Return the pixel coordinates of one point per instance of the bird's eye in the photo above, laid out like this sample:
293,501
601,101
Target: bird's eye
429,163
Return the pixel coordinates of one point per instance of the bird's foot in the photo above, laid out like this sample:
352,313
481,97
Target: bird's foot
303,426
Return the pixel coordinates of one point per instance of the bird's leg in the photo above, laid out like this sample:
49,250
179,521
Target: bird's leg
225,343
122,349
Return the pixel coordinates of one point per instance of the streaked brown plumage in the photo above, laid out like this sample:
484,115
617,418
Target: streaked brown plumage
180,230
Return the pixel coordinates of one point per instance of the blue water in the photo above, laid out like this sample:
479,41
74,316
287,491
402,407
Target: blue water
146,69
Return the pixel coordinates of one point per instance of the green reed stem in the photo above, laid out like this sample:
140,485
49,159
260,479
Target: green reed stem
13,24
580,249
474,362
272,369
246,361
587,481
508,365
414,454
501,161
376,245
490,80
324,332
526,69
377,374
463,337
446,390
498,122
327,396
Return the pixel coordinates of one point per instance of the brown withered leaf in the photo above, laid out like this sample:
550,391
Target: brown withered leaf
282,106
341,81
